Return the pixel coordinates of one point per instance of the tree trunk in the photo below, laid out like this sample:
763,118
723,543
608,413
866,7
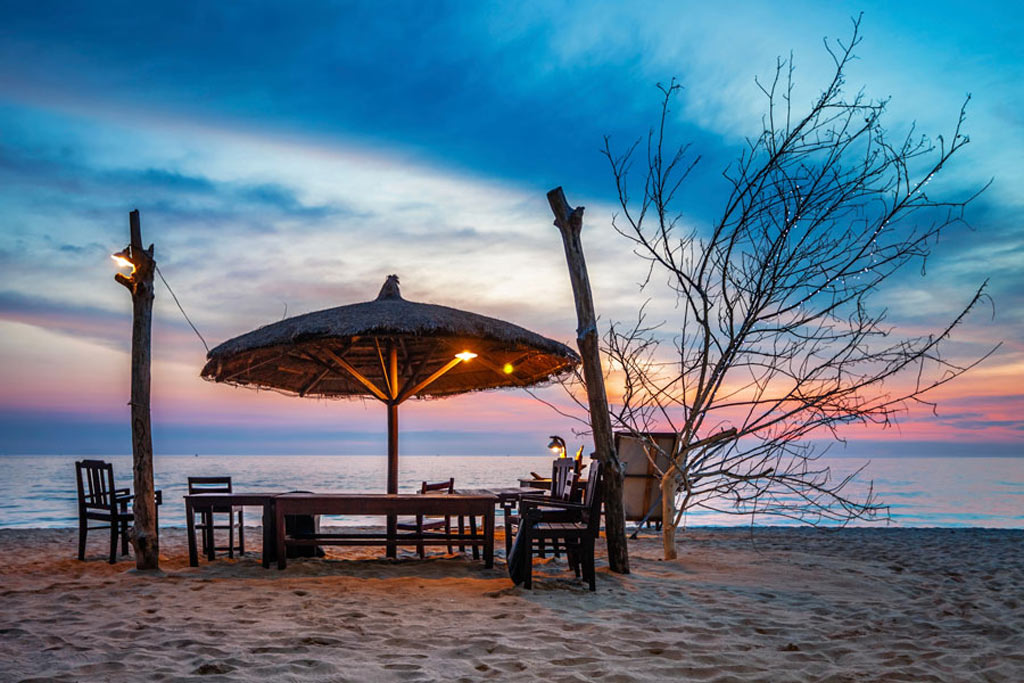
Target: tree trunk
144,535
570,223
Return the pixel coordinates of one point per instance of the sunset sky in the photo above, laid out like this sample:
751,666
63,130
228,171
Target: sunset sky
289,157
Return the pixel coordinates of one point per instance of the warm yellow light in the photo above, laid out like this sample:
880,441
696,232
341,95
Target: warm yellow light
122,261
508,369
465,355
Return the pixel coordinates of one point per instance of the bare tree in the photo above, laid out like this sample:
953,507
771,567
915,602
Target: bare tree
780,338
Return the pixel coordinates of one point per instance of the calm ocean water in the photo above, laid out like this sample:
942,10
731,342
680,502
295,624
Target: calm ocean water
39,491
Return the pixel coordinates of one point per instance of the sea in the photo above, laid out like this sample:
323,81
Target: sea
39,490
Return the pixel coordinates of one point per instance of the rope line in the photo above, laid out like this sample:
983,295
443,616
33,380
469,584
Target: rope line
187,319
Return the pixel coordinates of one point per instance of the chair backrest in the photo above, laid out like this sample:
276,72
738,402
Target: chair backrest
643,459
594,495
563,478
446,486
95,485
209,485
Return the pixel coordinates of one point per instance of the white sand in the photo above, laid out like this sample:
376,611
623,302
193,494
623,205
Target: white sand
790,605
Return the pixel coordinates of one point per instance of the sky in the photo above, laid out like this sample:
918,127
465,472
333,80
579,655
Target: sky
287,158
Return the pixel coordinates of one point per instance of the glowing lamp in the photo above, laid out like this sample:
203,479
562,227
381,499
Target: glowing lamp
557,446
465,355
508,369
121,259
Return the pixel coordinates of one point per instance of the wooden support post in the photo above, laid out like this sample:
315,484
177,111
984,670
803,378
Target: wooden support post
569,222
144,534
392,403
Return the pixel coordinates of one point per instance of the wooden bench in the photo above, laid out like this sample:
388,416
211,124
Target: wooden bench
386,505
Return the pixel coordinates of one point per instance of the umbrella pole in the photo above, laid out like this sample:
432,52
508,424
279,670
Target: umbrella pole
392,550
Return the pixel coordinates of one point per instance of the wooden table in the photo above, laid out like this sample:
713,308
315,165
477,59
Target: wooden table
206,502
387,505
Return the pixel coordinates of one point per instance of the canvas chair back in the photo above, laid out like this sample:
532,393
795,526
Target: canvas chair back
95,485
641,488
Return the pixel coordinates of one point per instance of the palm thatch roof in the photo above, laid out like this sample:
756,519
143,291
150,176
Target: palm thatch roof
315,354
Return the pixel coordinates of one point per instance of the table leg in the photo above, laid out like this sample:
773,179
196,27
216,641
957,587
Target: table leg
488,537
282,561
392,550
211,554
269,525
190,523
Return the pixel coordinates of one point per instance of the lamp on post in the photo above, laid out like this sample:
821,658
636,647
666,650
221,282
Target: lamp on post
557,446
139,282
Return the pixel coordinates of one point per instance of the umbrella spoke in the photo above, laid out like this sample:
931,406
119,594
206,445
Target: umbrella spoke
355,373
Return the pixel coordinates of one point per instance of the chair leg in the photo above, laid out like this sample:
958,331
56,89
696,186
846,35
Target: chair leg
208,541
83,530
241,533
508,536
528,559
448,533
419,531
472,530
202,524
462,530
113,541
124,538
572,554
231,533
588,565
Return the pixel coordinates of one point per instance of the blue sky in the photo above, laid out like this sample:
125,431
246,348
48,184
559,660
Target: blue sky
295,155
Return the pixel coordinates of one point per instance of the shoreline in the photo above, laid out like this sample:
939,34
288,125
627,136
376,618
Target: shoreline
793,604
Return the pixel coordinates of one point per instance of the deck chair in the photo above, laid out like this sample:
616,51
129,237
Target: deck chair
575,526
99,500
641,488
208,525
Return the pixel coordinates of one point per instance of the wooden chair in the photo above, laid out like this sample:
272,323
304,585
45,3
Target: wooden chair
565,476
423,524
644,458
207,524
575,526
99,500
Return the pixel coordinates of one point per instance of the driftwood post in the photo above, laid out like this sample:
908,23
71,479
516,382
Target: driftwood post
569,222
140,283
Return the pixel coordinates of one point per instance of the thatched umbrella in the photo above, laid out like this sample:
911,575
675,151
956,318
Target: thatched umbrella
390,349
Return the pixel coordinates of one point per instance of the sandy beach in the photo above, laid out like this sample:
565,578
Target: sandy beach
860,604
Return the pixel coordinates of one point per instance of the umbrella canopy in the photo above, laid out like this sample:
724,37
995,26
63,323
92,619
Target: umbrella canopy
390,349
